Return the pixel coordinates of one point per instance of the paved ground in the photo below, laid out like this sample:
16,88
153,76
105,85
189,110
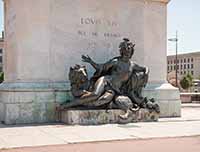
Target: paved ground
60,134
186,144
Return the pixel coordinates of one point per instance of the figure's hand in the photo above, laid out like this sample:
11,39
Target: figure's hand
86,59
85,91
147,71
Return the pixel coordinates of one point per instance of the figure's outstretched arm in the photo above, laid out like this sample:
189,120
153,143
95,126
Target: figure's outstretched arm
139,68
89,60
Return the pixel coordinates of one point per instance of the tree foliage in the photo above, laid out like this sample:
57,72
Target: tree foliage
186,82
1,77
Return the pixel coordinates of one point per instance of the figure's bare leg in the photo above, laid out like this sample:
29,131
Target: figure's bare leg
137,100
99,88
105,98
89,97
80,101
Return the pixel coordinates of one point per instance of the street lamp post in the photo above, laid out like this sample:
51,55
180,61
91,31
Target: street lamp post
176,60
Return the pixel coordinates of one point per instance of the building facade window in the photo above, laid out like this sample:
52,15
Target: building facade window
185,63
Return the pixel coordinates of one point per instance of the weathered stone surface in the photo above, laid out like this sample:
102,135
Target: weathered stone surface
69,28
167,97
95,117
2,111
29,113
30,103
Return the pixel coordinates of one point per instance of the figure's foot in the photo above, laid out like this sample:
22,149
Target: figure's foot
145,100
134,109
156,108
126,115
152,100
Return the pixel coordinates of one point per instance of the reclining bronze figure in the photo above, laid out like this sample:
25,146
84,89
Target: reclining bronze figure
118,83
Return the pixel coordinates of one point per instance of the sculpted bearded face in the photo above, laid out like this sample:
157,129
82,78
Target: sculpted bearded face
126,49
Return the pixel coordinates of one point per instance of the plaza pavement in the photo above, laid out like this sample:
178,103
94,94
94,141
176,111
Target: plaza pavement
60,134
177,144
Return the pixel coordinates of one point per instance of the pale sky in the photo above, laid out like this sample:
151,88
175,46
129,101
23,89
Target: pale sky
183,16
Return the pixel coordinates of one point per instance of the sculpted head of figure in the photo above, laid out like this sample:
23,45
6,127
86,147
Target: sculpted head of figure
126,48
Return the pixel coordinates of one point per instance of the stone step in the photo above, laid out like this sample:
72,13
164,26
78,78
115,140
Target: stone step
96,117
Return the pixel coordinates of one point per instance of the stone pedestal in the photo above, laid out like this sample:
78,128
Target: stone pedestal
167,97
31,102
96,117
43,38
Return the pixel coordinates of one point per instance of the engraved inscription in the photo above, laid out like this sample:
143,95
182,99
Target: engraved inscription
96,34
94,21
98,21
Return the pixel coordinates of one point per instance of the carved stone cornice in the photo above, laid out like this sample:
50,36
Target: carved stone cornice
162,1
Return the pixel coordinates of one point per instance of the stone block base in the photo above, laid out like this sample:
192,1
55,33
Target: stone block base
95,117
22,103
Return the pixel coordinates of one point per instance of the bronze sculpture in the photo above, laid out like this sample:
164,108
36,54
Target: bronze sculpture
117,83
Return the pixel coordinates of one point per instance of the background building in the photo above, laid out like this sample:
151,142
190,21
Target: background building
186,63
